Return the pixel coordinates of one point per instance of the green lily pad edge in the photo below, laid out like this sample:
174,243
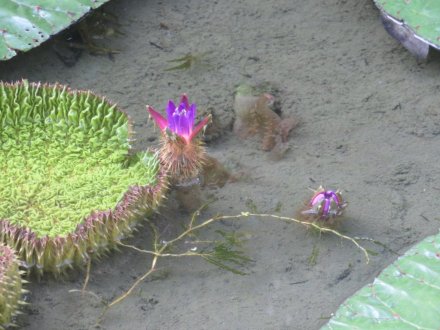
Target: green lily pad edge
421,16
26,24
406,295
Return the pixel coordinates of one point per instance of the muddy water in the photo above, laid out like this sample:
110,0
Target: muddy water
369,124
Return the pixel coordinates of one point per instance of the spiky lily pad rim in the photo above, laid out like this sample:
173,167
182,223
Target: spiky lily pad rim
99,231
10,285
27,242
7,258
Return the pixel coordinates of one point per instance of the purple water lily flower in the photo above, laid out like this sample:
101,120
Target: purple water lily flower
326,204
180,119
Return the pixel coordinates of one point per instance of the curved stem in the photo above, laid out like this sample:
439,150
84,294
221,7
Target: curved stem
159,249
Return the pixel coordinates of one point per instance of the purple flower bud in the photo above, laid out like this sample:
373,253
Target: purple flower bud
325,204
180,119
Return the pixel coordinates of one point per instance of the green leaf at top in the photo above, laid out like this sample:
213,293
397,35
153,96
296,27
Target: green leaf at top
25,24
421,16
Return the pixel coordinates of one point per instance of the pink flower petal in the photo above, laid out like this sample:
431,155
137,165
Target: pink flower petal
199,127
158,118
184,100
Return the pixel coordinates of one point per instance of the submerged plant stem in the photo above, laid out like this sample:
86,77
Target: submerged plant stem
313,225
86,280
158,254
159,249
135,284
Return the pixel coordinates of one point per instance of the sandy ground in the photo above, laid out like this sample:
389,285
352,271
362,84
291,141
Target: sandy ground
370,125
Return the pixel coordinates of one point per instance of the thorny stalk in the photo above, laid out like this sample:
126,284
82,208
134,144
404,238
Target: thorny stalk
159,249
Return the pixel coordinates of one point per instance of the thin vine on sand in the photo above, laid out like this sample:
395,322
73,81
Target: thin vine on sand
222,254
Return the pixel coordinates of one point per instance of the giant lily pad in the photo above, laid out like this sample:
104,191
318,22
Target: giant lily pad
70,188
415,23
25,24
406,295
